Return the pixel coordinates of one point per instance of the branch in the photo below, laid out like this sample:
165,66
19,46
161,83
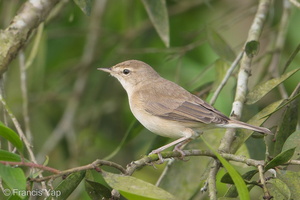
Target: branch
14,37
93,165
149,160
295,3
31,165
293,162
226,77
243,75
244,72
263,182
211,180
133,166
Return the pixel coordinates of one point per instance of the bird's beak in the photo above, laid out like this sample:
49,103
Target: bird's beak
105,69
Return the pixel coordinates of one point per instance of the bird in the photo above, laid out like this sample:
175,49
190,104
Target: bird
167,109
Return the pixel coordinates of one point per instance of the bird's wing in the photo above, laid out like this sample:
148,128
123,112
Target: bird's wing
186,112
180,105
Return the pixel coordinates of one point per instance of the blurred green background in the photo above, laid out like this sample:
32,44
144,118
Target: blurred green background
78,114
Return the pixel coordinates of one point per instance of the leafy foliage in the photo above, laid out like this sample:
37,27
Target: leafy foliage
243,192
11,136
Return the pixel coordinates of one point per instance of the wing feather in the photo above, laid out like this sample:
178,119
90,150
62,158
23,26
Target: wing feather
179,105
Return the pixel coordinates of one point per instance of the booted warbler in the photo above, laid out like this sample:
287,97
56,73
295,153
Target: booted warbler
167,109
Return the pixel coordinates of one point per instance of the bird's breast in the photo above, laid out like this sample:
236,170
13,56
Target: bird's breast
157,125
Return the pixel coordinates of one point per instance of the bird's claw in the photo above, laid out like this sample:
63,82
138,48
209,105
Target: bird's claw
179,150
160,158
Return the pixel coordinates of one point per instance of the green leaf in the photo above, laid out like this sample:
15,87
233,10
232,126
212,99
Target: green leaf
252,48
232,191
68,185
96,190
158,14
236,177
8,156
219,45
287,124
278,189
85,6
135,189
14,178
292,180
247,176
281,158
293,141
285,103
264,88
11,136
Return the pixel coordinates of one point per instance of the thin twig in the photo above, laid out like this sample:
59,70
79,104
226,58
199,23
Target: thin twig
35,47
211,180
164,173
291,58
293,162
226,77
295,3
23,82
22,135
93,165
3,111
263,182
279,45
19,129
31,165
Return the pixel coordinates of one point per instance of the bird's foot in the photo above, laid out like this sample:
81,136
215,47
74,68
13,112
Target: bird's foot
160,158
179,150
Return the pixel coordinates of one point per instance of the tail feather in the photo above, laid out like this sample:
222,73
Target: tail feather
239,124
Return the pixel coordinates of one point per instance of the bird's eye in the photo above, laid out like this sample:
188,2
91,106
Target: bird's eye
126,71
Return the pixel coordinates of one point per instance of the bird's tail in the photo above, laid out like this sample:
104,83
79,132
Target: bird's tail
239,124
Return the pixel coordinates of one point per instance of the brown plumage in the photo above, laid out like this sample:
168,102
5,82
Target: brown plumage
167,109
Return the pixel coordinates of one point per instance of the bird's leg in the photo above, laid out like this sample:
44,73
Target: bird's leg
160,149
192,135
179,143
180,146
